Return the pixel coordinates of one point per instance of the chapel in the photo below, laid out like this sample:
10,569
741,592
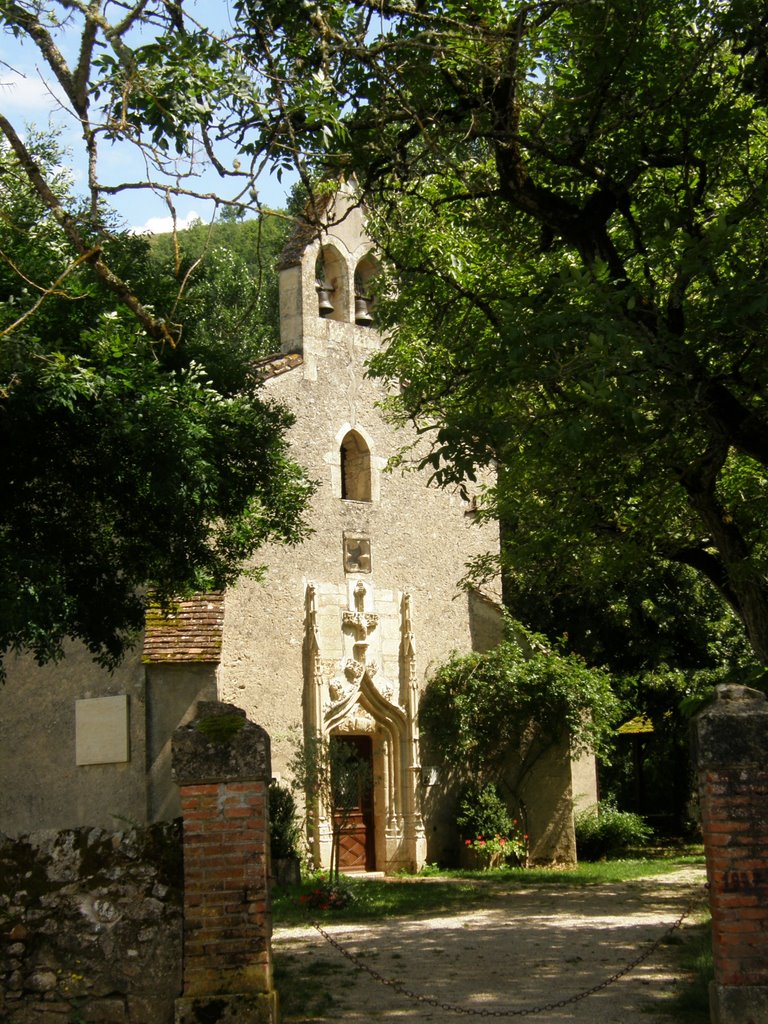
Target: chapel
337,640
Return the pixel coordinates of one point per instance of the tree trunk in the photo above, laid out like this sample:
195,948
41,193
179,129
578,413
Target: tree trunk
741,583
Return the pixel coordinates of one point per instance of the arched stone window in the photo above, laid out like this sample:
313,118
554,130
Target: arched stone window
364,272
355,468
331,285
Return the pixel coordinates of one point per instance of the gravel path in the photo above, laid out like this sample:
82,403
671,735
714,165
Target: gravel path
523,949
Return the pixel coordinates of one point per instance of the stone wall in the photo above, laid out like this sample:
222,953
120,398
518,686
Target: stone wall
44,784
91,926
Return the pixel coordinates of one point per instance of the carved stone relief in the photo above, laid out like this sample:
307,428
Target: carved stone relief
354,696
358,722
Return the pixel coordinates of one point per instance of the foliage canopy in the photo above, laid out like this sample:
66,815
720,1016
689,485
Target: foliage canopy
126,463
478,708
572,199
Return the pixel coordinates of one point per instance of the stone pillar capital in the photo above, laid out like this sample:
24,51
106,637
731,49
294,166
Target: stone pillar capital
220,745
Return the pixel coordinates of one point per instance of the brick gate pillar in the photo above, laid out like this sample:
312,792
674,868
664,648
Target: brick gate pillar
221,762
731,739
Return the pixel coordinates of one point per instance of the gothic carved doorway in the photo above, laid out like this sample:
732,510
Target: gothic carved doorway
362,691
353,797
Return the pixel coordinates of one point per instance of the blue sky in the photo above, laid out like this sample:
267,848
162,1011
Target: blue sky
29,96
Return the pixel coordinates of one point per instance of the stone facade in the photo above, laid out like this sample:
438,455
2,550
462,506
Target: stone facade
91,926
371,602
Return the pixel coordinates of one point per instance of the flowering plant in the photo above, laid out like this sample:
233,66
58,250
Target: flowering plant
327,895
488,829
495,850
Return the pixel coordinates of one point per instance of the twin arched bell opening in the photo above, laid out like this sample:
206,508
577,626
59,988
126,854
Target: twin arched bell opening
324,293
329,268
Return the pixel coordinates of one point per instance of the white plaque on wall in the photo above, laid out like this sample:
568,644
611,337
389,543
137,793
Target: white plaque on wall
101,730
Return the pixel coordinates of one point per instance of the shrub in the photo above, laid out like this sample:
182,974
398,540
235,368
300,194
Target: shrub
328,894
496,851
284,827
482,812
477,708
488,829
608,832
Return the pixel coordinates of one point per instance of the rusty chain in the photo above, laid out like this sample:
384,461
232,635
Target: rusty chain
357,960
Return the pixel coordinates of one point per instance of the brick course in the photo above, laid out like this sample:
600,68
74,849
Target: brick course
732,752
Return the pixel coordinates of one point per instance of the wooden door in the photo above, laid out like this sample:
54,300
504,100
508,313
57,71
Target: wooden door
353,798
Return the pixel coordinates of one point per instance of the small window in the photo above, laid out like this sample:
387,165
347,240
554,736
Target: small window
355,468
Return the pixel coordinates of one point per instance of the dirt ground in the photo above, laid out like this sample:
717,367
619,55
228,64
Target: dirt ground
520,954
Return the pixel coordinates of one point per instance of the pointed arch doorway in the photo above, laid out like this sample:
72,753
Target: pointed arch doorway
349,699
353,798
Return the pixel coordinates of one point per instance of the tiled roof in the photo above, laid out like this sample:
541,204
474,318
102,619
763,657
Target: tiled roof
274,366
190,632
305,232
303,235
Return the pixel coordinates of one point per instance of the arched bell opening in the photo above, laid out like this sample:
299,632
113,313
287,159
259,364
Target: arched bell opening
365,271
331,285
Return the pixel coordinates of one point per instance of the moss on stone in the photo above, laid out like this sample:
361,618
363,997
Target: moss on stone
221,729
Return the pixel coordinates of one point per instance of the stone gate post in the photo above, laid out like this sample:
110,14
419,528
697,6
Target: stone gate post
221,762
731,741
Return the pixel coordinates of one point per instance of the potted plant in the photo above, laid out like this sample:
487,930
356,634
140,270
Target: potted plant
490,835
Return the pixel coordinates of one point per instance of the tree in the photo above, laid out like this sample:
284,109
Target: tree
124,466
484,710
223,285
666,640
573,197
137,452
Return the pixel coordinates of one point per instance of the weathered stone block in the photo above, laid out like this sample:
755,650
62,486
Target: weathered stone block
220,745
739,1004
733,730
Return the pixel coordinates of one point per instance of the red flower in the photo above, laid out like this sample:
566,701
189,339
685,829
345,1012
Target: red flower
467,842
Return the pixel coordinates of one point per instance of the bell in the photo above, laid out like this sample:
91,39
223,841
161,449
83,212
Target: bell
362,311
324,304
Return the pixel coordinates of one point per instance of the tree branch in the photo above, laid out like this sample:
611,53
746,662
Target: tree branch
155,328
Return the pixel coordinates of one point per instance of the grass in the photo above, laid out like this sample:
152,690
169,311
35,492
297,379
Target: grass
690,1005
434,892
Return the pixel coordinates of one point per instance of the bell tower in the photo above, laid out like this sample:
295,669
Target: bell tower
359,666
326,271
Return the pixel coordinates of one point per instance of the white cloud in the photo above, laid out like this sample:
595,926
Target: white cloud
163,225
28,94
